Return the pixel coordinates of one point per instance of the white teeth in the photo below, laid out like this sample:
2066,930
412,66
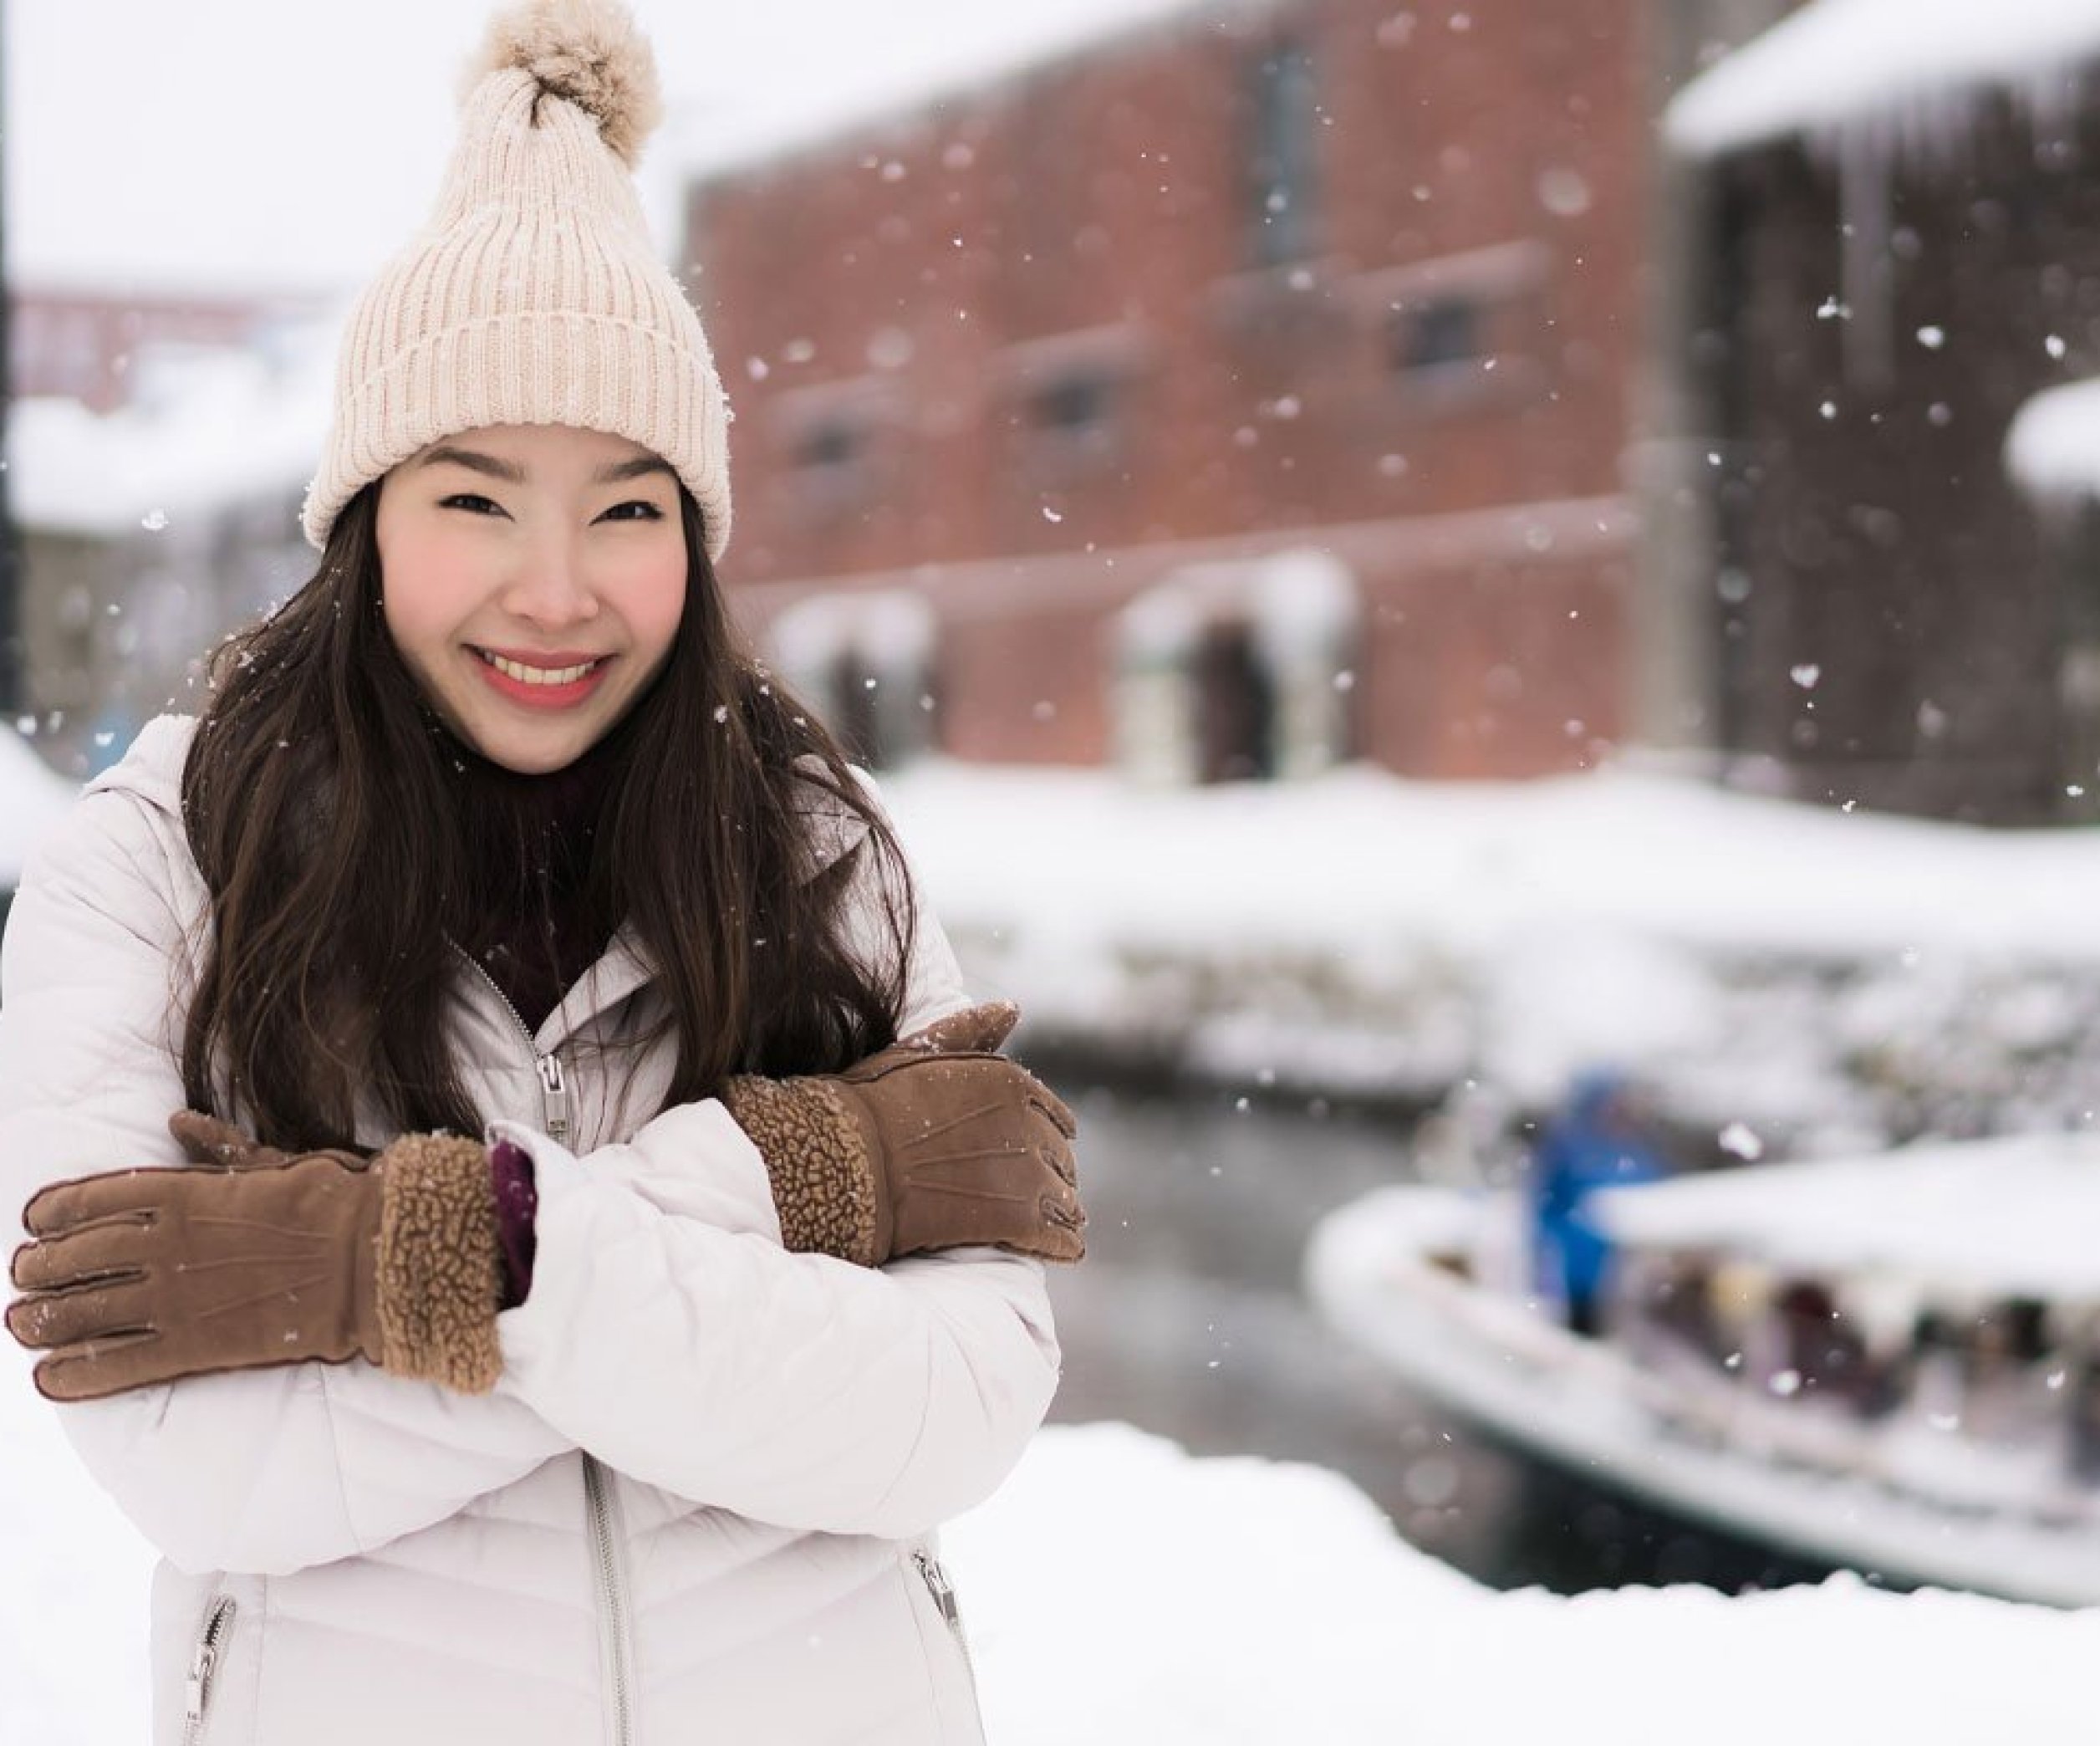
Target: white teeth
536,676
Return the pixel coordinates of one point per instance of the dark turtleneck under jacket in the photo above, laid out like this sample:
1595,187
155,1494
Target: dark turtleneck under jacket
535,928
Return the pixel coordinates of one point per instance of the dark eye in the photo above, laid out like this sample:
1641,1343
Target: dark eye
638,510
472,502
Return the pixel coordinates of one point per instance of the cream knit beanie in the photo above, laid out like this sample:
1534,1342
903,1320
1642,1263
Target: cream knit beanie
534,295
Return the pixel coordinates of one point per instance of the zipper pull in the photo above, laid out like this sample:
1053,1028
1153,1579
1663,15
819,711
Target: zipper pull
554,1089
197,1688
943,1593
199,1683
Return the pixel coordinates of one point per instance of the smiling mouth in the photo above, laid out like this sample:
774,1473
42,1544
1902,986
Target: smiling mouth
525,675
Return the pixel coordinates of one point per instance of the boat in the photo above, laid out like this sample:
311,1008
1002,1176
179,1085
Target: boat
1890,1363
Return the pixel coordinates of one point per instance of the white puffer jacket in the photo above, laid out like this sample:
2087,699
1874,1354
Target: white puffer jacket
699,1506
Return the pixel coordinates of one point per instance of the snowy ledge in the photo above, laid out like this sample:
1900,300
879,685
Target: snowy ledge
1838,63
1840,979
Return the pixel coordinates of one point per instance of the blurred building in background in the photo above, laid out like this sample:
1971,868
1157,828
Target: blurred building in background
1894,312
83,342
1256,389
159,450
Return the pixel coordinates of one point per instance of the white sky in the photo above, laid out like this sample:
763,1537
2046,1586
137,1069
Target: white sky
257,142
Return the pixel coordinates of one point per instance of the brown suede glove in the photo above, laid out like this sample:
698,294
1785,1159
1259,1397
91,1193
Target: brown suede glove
934,1143
262,1257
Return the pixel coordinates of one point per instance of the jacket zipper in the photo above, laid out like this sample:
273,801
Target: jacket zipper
597,1507
612,1599
553,1086
944,1597
218,1621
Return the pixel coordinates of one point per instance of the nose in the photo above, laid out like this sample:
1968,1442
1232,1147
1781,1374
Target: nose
550,586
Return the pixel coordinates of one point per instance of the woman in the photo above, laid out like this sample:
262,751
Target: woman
484,1228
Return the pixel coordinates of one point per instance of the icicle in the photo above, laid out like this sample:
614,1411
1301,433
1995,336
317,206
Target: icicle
2050,101
1865,154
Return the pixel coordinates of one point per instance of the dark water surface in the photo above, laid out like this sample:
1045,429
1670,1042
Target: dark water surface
1188,1319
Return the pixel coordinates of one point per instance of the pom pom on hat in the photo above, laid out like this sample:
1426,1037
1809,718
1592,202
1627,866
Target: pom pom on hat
588,52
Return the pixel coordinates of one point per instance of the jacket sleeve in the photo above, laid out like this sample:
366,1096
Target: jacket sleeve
792,1389
265,1471
669,1332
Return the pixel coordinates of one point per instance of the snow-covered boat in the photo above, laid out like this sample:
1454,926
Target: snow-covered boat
1891,1363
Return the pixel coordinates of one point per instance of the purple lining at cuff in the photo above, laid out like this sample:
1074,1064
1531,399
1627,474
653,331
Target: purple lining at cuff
510,1170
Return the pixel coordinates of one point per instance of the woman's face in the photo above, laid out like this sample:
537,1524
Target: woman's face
533,577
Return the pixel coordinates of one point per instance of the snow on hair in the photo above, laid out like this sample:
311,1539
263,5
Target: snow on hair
590,52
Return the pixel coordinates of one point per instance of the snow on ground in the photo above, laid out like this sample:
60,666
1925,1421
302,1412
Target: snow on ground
1120,1591
1846,975
1117,1590
1836,61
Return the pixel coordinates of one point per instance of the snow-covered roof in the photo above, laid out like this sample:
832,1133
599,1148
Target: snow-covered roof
2052,447
1836,62
2000,1216
219,428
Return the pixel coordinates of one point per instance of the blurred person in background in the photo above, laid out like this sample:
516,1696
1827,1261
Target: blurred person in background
1596,1141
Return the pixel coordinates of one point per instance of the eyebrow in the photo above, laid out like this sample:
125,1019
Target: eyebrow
616,473
621,471
473,462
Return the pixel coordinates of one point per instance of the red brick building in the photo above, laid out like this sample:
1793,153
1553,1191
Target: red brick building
1251,390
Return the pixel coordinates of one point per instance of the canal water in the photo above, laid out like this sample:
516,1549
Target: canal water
1188,1319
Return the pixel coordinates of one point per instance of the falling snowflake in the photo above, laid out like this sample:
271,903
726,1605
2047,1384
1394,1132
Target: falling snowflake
1740,1141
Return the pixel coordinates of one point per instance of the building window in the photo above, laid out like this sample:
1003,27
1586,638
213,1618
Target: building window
1073,416
1285,159
1078,406
1439,334
832,445
831,462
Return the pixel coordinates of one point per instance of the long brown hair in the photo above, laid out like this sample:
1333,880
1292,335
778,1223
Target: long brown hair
319,798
